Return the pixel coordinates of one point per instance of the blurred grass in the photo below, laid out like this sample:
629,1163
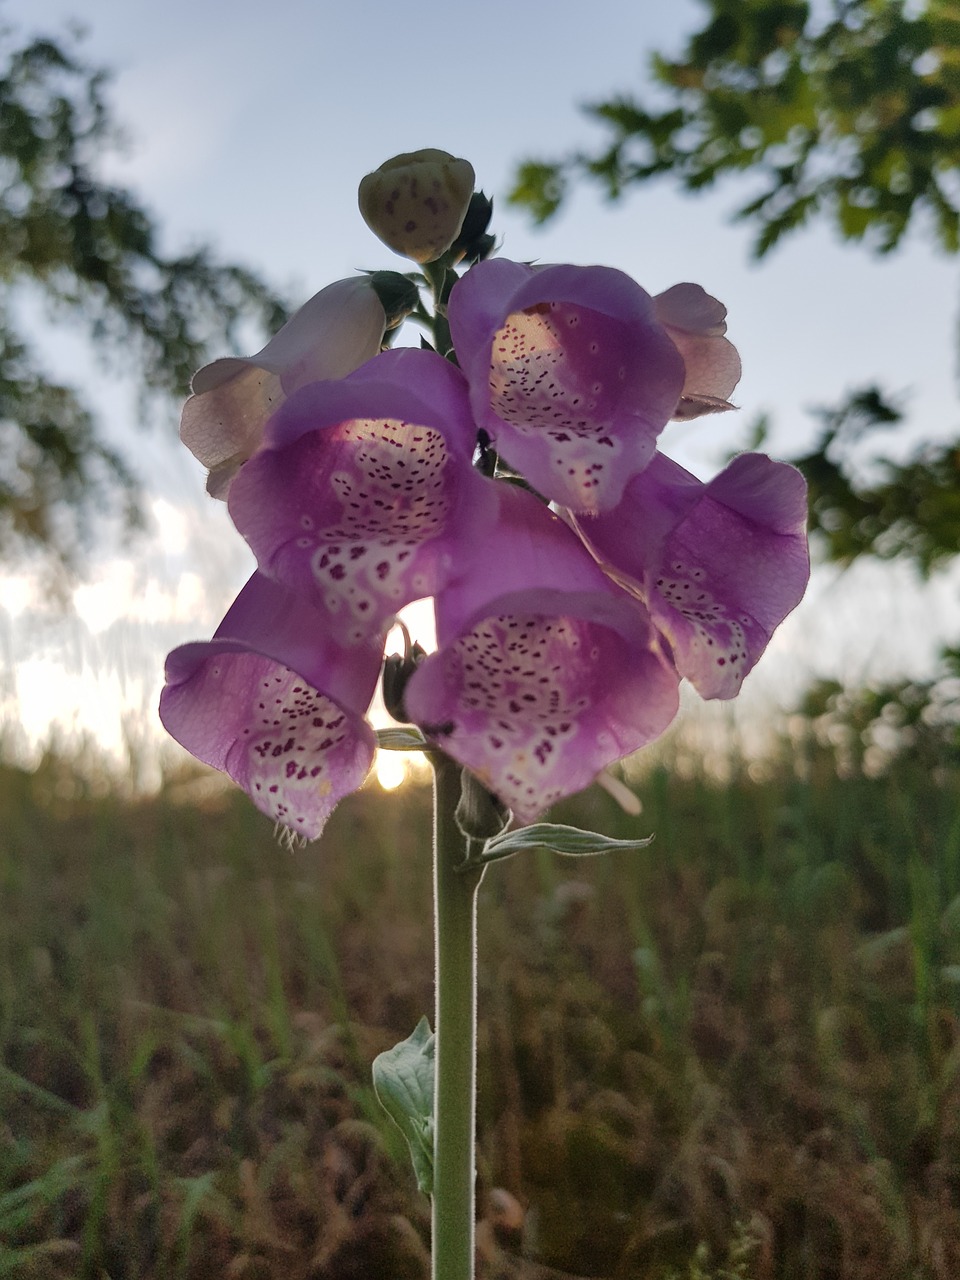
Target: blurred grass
733,1055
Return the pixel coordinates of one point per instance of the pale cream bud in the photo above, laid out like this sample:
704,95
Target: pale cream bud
417,201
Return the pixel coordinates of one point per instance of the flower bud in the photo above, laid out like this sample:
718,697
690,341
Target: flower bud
417,201
479,813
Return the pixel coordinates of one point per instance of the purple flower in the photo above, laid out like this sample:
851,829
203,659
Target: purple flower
276,704
364,491
562,643
719,565
547,672
571,374
331,335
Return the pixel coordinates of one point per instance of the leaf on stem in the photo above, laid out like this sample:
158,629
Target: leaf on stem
403,1080
401,740
570,841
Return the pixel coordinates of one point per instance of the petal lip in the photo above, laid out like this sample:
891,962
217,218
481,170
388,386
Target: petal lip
275,705
571,374
762,490
222,422
537,702
689,307
719,565
529,553
419,386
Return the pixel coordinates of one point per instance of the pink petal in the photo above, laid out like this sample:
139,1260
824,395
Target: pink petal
331,335
546,672
696,323
719,565
276,706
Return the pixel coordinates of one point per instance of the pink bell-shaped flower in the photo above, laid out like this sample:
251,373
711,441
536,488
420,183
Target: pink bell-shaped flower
547,672
571,374
272,701
718,565
363,493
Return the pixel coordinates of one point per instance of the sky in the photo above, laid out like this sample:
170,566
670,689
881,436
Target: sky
250,127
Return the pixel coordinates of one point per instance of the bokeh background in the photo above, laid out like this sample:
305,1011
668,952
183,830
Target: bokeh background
735,1057
251,135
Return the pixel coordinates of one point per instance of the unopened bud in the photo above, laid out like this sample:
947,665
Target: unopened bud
480,814
417,201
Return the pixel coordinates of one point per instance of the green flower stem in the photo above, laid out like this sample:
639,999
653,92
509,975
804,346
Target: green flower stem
441,278
455,900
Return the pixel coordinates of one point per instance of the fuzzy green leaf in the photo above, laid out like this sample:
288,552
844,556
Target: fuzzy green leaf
403,1080
401,740
572,842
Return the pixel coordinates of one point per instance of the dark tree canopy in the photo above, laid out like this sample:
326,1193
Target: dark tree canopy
847,111
852,114
93,253
891,510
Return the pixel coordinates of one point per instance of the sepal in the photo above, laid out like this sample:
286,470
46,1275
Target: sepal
479,813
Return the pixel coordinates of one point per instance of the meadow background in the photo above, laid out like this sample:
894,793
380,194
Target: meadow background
734,1055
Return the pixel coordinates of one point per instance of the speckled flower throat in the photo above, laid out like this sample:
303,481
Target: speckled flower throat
520,687
544,385
388,483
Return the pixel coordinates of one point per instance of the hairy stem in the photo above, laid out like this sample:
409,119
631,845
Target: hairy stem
455,900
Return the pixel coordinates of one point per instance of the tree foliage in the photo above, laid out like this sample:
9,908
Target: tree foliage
892,510
849,112
854,116
92,253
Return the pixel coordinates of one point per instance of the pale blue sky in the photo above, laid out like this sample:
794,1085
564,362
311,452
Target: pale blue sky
250,125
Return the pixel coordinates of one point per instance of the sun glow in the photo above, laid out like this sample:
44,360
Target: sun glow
391,769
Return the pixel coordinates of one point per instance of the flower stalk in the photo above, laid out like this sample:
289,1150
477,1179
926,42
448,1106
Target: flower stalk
512,474
455,908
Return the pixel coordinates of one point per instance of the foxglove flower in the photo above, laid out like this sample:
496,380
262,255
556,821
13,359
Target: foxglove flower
363,492
417,201
546,672
331,335
719,565
697,323
277,705
571,374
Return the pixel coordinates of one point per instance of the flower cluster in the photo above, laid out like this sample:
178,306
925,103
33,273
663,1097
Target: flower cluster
572,591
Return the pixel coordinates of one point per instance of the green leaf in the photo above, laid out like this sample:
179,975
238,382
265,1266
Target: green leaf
401,740
570,841
540,187
403,1082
